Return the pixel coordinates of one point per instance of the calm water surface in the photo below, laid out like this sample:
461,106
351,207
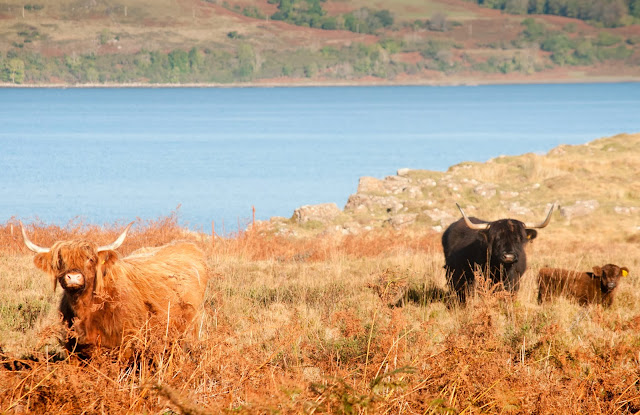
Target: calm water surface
106,155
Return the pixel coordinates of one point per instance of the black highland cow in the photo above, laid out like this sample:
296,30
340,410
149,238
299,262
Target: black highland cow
497,249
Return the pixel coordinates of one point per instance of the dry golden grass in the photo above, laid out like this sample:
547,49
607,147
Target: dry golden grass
293,325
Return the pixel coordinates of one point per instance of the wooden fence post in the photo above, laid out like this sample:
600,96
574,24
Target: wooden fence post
213,234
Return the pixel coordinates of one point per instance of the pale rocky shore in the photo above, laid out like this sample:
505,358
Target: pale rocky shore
593,185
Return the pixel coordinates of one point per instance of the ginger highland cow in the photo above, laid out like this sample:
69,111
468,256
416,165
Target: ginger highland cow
107,297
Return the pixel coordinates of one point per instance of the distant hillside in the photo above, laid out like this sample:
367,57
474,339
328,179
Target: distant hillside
306,42
602,12
594,185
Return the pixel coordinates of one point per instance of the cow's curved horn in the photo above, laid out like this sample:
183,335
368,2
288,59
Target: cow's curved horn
543,224
116,244
471,225
35,248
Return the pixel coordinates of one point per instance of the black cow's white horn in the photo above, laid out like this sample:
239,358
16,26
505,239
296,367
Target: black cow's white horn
116,244
33,247
471,225
543,224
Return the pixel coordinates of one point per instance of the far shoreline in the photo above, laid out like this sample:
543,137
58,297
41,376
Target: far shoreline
364,83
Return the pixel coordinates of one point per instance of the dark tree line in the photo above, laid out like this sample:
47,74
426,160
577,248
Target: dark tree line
310,13
607,12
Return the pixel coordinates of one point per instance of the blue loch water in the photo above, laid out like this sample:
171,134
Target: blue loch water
107,155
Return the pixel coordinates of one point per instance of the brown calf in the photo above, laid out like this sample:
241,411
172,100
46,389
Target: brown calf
597,287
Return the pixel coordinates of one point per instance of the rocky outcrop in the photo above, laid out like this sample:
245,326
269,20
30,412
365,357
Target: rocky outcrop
580,208
517,210
324,212
486,190
504,187
443,217
402,221
626,210
370,204
391,185
388,196
370,185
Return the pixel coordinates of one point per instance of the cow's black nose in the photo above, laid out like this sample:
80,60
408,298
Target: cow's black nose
611,285
509,257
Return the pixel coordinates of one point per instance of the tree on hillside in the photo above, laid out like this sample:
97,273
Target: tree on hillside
195,58
516,6
14,70
385,17
536,6
611,13
634,8
246,61
584,53
366,20
300,12
179,60
533,30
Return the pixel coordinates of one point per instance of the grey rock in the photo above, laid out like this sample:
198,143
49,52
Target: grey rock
437,215
580,208
403,220
486,190
624,210
427,182
396,184
505,194
369,203
370,185
518,210
413,192
324,212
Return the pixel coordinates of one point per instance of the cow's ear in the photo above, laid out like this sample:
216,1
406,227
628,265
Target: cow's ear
44,262
624,271
105,260
531,234
597,271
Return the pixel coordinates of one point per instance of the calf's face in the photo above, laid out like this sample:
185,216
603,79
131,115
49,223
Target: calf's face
609,275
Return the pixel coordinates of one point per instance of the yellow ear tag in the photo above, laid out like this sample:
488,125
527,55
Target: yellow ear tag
624,273
103,261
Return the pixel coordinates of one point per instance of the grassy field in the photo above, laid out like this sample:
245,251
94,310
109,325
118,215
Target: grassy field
300,324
